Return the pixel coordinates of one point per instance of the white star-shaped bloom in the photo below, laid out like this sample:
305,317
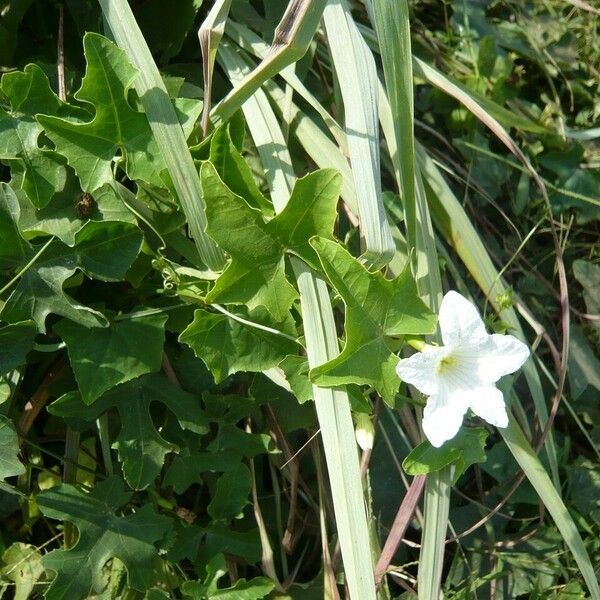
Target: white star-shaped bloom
462,373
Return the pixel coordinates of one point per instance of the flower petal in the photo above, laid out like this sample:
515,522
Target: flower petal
421,368
499,355
443,416
488,403
459,321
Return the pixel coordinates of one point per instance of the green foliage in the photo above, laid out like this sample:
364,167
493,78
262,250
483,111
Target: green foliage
15,342
376,309
121,352
102,535
9,449
154,403
29,93
22,566
256,274
141,447
466,449
227,345
90,147
257,588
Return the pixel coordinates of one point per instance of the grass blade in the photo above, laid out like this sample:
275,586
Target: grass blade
209,36
393,33
533,468
391,19
333,406
292,37
165,126
435,526
356,73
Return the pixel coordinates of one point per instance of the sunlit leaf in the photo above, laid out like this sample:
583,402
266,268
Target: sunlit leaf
256,274
376,308
227,345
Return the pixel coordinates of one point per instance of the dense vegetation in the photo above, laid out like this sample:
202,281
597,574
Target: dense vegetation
176,419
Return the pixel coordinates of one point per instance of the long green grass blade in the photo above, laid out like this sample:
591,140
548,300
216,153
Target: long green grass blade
393,33
165,126
391,18
435,526
357,76
333,406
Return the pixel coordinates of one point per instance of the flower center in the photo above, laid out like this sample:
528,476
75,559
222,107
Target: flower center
447,363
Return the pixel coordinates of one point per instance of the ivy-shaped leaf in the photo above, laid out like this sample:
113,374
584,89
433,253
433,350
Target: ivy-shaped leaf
16,341
142,449
102,535
14,250
375,309
90,147
103,250
465,449
69,210
231,494
29,92
234,170
255,589
192,541
227,345
9,449
121,352
256,273
225,452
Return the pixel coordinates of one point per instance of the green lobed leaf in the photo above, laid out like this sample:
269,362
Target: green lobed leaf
16,340
103,250
102,535
234,170
256,274
9,450
121,352
227,346
230,446
231,494
141,448
90,147
29,92
63,217
375,309
296,373
14,250
465,449
255,589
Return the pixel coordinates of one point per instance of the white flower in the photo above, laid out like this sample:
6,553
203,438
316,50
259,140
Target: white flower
462,373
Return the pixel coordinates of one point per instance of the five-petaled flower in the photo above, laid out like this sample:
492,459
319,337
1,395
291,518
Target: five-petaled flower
462,373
